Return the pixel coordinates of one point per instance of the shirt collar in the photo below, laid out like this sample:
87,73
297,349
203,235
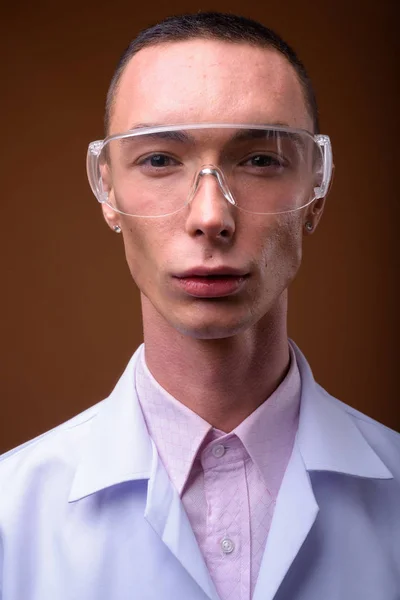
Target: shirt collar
176,430
269,432
118,447
180,434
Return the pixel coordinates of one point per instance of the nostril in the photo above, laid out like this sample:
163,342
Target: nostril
224,233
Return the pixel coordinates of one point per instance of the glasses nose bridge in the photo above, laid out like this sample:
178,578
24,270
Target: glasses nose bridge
220,178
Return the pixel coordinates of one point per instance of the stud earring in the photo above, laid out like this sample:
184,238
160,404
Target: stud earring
117,229
309,226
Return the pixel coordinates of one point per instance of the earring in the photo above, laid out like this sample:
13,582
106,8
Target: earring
309,226
117,229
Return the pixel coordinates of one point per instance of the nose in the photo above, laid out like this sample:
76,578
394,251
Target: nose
210,206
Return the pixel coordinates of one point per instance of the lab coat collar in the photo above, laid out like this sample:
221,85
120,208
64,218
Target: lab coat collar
327,437
119,449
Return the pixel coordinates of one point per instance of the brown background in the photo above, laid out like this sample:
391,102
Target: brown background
71,315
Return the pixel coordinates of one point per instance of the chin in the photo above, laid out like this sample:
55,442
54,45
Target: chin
207,320
212,329
209,333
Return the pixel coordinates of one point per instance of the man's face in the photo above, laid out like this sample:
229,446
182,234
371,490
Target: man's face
202,81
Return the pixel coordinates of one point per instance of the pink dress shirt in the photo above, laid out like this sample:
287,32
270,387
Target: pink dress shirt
228,483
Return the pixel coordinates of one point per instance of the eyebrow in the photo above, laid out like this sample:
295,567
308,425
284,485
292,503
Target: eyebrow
249,134
184,136
148,125
175,136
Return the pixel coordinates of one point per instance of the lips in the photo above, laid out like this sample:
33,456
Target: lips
212,283
216,272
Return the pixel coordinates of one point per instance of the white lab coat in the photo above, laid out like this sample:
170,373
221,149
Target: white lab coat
87,511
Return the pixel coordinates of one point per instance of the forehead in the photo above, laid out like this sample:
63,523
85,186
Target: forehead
201,81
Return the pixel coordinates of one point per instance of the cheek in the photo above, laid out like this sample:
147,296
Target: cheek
290,246
145,242
282,250
139,250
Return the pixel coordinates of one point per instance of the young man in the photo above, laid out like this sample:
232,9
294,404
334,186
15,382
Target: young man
217,468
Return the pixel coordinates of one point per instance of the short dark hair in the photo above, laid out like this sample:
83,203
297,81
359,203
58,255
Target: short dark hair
213,26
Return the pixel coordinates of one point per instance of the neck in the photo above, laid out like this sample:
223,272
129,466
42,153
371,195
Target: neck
222,380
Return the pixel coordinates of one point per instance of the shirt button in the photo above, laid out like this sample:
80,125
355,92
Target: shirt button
227,546
218,451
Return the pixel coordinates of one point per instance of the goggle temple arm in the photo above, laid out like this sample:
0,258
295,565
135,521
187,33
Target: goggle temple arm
324,144
92,169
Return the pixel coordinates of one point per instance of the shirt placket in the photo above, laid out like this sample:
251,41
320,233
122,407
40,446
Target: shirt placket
227,546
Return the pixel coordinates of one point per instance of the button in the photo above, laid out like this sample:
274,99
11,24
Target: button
227,546
218,451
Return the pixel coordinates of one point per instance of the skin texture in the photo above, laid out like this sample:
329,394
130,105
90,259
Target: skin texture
221,357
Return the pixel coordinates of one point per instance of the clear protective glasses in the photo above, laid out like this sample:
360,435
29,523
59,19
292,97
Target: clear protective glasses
157,171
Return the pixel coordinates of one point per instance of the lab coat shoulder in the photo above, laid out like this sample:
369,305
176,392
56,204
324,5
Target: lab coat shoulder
382,439
43,463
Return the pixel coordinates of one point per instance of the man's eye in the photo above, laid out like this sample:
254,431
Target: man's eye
264,160
159,160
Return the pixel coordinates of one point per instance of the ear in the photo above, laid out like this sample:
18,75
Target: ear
313,215
111,216
315,209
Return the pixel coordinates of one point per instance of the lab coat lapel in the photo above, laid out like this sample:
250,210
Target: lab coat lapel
294,515
166,514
